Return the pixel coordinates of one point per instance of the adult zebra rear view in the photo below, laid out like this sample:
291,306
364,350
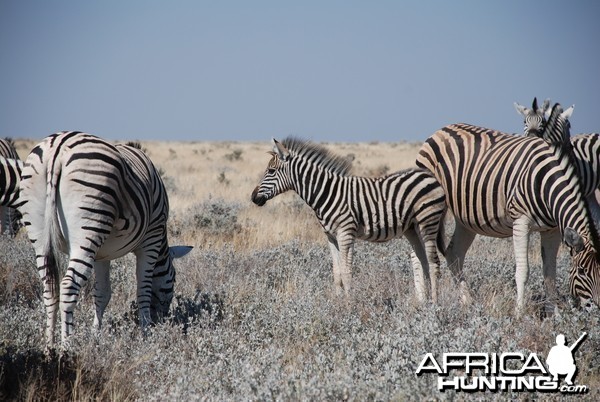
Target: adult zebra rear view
96,202
348,207
501,185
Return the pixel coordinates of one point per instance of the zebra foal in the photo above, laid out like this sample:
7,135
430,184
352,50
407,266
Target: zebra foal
95,202
502,185
409,202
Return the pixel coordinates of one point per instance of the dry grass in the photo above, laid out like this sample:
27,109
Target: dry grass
255,316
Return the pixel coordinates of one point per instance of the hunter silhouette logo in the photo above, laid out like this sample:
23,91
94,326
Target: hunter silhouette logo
560,358
510,371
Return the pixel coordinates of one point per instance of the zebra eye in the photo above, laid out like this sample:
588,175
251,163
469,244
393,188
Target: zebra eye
581,271
271,170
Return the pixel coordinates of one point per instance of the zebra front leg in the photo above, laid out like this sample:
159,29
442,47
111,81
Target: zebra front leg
79,270
144,269
521,228
550,244
102,290
420,266
462,238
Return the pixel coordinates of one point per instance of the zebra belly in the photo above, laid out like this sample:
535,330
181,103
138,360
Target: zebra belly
117,245
495,228
378,234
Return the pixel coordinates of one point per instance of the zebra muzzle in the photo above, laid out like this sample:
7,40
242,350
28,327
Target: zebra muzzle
257,198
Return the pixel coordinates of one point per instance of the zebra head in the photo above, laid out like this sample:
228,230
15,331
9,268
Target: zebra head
534,118
163,280
584,274
276,178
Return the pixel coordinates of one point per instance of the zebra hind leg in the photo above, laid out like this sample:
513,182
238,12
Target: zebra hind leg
102,290
79,270
420,265
456,251
48,271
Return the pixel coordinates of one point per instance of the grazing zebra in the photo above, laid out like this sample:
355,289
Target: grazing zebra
502,185
379,209
96,202
9,217
586,149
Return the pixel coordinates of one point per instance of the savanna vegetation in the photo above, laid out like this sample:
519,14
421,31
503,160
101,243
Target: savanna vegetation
255,316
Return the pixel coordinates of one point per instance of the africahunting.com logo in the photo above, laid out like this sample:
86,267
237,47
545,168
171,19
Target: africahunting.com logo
507,371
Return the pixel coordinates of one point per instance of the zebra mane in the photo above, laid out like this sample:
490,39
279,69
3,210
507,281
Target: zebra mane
134,144
10,141
557,130
318,155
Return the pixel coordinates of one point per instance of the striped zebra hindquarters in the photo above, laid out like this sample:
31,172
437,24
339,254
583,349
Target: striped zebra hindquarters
95,202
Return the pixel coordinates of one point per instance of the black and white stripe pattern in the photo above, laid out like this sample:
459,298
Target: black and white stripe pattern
10,218
96,202
379,209
503,185
534,118
586,150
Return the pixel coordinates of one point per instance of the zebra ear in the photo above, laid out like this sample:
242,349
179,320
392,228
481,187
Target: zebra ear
567,113
179,251
520,109
280,150
573,240
546,105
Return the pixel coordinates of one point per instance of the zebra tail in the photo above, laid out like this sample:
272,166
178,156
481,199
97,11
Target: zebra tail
440,235
51,234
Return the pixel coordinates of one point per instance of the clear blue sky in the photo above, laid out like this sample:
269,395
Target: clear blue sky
323,70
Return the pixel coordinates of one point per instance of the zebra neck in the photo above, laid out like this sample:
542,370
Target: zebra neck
576,214
319,188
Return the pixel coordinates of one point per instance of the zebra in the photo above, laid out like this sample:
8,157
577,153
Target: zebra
409,202
502,185
95,202
534,118
586,150
10,218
